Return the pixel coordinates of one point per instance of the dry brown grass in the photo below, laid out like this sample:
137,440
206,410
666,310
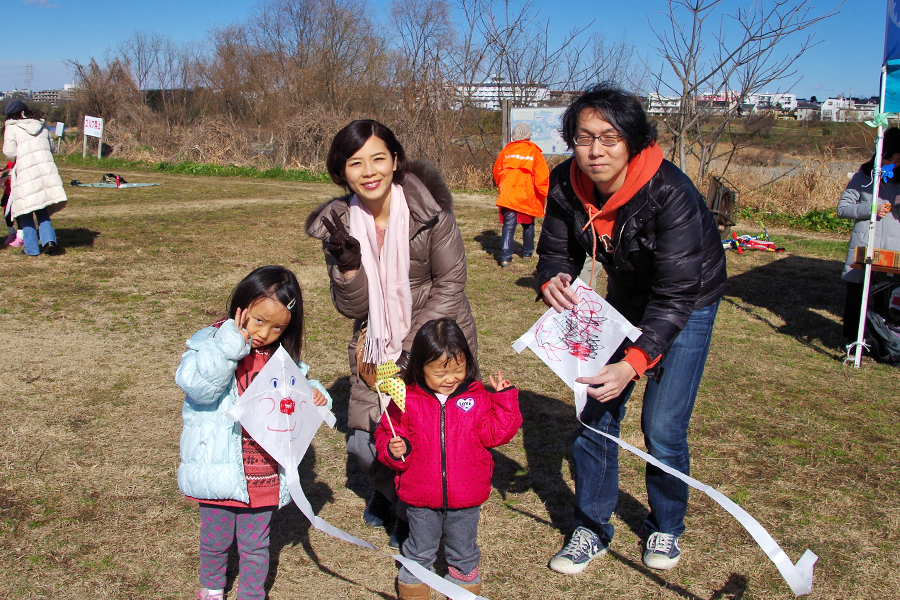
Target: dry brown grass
89,507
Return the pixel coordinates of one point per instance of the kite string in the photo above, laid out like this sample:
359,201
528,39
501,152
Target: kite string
798,577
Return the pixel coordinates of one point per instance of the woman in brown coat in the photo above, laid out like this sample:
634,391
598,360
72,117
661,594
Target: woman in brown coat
396,260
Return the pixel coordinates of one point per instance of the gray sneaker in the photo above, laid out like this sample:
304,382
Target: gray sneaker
662,551
584,546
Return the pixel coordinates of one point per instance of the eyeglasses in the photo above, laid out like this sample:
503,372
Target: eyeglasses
607,139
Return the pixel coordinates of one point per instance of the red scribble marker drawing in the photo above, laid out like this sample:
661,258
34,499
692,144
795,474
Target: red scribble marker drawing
576,332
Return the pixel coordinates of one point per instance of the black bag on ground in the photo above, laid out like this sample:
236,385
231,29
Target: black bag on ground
883,339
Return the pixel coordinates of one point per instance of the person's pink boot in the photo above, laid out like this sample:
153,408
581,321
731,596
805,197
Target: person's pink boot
17,243
10,239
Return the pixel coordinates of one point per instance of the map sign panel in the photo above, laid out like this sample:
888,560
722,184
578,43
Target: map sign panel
545,126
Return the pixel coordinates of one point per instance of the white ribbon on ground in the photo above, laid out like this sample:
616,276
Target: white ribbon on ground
434,581
799,577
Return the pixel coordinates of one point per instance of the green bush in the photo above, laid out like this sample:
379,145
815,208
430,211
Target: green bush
814,220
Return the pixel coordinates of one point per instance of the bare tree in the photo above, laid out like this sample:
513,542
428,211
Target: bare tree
713,70
140,53
103,91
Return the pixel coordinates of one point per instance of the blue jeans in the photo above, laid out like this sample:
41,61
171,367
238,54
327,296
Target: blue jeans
30,234
509,232
664,421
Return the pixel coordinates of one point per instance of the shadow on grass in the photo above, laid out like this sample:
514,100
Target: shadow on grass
357,482
794,288
76,237
490,242
733,588
546,427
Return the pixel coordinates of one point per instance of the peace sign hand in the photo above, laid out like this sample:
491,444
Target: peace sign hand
344,248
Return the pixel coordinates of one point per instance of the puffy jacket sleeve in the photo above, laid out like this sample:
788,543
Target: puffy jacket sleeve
855,203
678,270
558,248
448,274
383,436
314,383
207,367
9,143
349,296
502,420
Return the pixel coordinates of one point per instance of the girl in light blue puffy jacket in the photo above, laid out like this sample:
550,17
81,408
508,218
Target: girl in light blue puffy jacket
237,484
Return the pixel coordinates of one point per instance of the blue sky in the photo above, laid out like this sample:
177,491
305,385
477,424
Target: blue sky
44,32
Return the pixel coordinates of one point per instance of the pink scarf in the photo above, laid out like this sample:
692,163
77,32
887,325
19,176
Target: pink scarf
387,273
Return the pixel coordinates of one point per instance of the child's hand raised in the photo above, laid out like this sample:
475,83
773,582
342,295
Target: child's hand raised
501,384
397,447
241,318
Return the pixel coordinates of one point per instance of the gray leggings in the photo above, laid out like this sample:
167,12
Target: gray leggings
219,526
460,532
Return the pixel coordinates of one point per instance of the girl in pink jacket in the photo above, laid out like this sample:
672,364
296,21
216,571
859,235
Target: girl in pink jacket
440,452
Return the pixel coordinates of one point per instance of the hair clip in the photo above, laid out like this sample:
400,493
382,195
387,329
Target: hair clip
291,304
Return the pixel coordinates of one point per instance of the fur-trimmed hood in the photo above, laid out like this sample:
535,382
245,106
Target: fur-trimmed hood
426,194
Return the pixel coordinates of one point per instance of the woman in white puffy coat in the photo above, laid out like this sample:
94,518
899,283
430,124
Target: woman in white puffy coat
36,190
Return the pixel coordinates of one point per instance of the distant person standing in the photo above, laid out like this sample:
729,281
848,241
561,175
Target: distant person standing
36,190
522,175
856,204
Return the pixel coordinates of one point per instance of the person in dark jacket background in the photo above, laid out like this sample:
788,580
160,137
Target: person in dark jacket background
640,217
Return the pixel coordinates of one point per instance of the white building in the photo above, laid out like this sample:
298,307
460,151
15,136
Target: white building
488,94
808,111
658,104
834,109
764,102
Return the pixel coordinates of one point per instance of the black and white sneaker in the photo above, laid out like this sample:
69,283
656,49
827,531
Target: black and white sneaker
662,551
584,547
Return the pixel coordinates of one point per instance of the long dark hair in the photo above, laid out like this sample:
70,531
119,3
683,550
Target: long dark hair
618,108
889,147
438,339
277,283
354,136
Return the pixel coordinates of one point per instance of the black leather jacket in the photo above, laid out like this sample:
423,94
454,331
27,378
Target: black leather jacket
666,261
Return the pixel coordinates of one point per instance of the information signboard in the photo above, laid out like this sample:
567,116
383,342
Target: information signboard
93,126
545,123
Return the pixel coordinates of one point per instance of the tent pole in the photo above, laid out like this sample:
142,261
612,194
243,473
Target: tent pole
873,217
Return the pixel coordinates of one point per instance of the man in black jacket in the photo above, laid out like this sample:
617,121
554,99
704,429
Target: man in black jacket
641,218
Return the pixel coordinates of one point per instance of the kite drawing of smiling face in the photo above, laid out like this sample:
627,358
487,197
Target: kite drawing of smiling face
280,409
277,410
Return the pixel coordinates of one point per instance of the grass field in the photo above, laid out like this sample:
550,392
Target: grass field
89,507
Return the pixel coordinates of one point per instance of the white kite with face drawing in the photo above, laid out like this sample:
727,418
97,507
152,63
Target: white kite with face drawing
277,410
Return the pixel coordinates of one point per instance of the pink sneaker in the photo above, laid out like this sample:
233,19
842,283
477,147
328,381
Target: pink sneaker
17,243
9,239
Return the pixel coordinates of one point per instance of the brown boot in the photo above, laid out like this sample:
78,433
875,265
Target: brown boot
413,591
475,588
